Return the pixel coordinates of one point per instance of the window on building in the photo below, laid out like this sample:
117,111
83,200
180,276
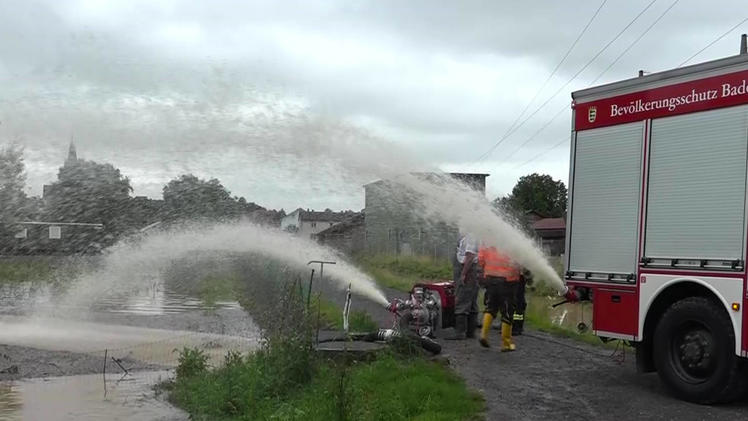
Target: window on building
55,233
314,225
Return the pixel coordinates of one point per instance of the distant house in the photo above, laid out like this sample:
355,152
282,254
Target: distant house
36,237
551,234
393,226
347,236
307,223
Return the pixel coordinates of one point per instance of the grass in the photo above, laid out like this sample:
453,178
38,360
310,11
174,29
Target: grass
401,272
25,270
538,316
331,317
212,289
388,388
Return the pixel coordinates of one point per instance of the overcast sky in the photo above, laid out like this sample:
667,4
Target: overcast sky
264,95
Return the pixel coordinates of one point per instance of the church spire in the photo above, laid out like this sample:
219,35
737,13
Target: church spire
72,155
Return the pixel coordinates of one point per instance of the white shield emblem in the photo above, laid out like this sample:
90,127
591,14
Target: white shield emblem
592,114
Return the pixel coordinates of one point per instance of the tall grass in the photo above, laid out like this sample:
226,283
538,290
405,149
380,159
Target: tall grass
401,272
265,386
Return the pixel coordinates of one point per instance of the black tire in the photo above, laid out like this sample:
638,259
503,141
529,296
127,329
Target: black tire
694,352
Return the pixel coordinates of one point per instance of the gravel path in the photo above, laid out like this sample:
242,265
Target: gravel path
557,378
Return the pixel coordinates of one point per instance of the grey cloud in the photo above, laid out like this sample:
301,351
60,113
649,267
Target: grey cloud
166,86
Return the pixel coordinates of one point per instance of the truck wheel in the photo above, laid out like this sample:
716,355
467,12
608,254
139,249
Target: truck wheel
694,352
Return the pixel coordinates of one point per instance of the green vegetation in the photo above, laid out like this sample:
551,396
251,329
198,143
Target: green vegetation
268,386
212,289
14,270
401,272
331,317
286,379
540,316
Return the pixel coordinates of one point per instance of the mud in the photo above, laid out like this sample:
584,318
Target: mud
18,362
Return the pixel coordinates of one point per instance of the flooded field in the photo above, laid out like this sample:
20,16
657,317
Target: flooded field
52,359
83,398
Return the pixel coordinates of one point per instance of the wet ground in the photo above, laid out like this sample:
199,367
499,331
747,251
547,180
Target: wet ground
83,398
555,378
52,360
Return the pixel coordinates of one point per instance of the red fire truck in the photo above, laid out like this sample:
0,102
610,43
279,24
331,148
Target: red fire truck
656,232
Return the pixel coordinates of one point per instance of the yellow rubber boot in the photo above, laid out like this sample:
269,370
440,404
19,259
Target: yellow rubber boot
507,345
485,330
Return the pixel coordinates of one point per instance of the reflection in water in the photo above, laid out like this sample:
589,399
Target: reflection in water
10,402
82,398
159,299
131,397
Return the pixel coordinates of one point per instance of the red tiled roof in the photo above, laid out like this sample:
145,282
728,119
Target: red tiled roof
549,224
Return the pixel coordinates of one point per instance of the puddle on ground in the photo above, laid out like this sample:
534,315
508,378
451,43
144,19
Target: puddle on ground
154,346
159,299
83,398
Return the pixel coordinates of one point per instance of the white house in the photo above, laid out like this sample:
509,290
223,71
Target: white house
309,222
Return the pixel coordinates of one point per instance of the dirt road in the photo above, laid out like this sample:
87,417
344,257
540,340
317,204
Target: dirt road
556,378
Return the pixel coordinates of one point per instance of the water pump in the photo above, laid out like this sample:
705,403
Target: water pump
420,313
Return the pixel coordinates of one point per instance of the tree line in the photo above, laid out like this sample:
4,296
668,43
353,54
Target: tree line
93,192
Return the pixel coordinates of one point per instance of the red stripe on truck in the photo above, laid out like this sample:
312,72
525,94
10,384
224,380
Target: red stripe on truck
696,95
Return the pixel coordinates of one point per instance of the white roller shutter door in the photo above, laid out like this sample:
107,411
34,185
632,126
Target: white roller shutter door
605,202
696,200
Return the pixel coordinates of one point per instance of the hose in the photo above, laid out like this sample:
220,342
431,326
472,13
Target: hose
388,335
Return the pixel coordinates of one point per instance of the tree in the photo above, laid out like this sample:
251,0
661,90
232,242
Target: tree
90,192
13,201
536,192
188,197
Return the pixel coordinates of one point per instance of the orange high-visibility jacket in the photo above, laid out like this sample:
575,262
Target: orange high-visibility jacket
497,265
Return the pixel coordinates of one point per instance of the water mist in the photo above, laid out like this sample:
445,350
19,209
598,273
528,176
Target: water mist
137,263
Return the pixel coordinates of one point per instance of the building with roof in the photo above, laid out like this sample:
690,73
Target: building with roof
551,234
394,226
309,222
347,236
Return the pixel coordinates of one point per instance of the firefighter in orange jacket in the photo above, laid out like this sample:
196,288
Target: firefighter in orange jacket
501,280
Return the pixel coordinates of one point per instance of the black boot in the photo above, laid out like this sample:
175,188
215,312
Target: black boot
517,326
460,328
472,324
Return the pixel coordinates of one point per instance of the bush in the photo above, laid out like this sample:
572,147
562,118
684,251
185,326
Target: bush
191,362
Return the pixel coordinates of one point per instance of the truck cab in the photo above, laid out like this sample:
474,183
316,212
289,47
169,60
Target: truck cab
656,225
